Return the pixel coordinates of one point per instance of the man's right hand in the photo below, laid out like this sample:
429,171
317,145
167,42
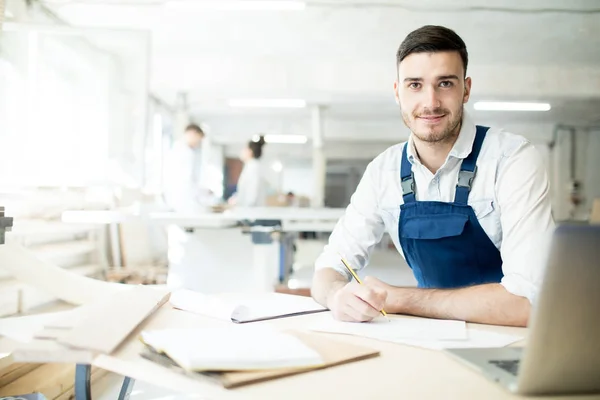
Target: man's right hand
357,303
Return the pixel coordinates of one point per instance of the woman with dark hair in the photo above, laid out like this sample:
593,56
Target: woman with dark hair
251,187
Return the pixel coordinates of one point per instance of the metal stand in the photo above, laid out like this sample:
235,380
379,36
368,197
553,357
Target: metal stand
83,384
5,224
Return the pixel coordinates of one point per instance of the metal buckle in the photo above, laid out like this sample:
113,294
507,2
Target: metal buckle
465,178
408,185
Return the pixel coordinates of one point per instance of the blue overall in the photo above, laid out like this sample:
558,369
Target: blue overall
444,243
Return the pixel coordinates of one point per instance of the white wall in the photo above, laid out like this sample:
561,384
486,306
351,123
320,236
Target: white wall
298,178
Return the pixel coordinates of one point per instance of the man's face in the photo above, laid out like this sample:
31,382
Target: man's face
431,92
193,138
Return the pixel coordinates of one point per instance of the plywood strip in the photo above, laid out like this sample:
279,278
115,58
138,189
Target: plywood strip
112,321
24,266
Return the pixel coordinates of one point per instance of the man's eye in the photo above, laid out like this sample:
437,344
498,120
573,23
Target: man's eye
445,84
414,85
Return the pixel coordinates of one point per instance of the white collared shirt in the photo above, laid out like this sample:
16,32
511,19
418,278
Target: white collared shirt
510,197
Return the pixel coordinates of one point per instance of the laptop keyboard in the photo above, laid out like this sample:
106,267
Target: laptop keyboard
511,366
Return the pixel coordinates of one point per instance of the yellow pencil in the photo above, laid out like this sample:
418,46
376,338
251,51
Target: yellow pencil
359,281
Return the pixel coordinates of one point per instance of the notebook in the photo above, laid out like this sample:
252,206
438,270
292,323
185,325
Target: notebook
232,348
244,307
332,352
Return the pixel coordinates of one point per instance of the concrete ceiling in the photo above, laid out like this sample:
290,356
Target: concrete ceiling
341,54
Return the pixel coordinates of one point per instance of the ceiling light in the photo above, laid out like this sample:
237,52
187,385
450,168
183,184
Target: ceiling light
510,106
287,139
268,103
236,5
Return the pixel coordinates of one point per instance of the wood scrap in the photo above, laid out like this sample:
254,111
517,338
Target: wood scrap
49,379
105,328
15,371
62,284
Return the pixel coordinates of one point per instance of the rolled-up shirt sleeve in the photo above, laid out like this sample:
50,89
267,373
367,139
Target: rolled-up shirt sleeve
358,230
523,197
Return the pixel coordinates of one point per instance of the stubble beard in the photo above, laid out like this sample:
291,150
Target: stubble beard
447,135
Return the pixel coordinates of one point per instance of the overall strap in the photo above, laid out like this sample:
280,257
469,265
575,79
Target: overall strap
407,179
468,168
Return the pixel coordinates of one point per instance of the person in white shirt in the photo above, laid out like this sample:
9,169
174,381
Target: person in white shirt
251,187
467,206
182,188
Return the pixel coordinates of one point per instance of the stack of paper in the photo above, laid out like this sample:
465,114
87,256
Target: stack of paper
237,355
231,349
240,308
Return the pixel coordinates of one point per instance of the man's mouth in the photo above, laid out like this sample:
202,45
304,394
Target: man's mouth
431,118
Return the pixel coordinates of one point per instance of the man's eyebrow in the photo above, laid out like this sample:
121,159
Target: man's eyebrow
413,79
446,77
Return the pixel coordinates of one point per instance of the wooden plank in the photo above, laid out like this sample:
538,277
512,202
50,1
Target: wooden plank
105,327
49,379
15,371
62,284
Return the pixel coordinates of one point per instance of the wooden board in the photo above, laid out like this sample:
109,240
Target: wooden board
114,319
333,352
14,372
49,379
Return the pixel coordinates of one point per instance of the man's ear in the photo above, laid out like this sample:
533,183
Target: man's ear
467,93
396,92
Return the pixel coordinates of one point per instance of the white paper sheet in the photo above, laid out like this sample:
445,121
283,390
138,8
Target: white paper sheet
232,348
475,339
243,307
396,330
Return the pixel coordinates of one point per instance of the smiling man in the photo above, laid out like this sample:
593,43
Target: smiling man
466,205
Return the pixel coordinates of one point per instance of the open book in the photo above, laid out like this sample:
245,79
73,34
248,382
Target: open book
244,307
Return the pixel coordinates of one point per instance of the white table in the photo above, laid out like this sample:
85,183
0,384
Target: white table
210,252
400,372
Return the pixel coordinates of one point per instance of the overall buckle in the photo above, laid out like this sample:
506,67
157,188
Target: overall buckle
465,178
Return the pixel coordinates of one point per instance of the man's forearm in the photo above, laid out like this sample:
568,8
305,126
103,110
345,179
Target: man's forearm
325,283
486,304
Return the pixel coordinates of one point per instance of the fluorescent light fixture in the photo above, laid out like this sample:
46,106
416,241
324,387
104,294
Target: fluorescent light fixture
286,139
510,106
277,166
268,103
237,4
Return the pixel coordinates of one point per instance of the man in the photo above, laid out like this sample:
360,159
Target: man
464,204
183,192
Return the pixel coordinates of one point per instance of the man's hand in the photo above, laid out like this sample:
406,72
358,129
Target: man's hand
358,303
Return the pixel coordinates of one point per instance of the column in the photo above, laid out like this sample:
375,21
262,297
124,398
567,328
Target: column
318,157
182,117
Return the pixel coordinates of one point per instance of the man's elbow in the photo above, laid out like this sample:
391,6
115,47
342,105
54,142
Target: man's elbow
518,311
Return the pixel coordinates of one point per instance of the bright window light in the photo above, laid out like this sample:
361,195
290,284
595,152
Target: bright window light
286,139
236,5
510,106
277,166
268,103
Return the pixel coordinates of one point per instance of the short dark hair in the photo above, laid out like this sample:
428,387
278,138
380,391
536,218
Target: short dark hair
256,146
194,128
431,39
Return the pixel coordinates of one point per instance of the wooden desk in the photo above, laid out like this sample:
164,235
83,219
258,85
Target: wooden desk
401,372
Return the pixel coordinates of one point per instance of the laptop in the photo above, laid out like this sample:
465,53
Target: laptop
562,354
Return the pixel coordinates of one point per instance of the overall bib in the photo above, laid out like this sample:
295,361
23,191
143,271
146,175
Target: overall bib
444,243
